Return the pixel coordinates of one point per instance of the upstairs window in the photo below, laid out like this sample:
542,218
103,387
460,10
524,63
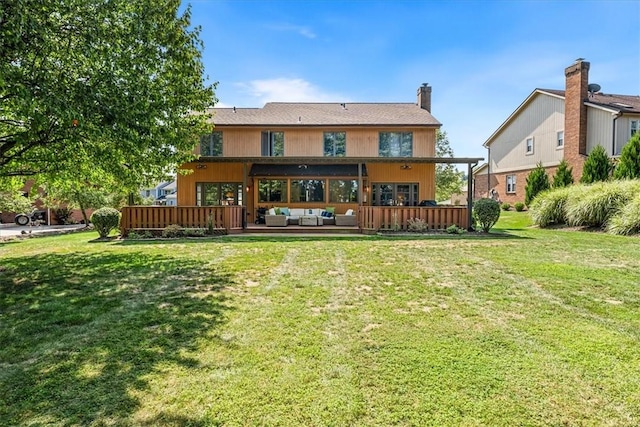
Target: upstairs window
529,145
560,139
335,144
635,127
395,144
211,145
272,144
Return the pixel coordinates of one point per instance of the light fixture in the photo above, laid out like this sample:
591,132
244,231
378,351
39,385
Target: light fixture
201,166
405,166
248,188
302,166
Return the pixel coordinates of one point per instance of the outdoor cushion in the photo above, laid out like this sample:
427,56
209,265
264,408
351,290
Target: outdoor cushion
349,212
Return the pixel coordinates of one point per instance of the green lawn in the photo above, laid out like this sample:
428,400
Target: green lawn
527,327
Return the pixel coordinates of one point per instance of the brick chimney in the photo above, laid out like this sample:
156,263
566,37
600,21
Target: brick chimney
424,97
575,114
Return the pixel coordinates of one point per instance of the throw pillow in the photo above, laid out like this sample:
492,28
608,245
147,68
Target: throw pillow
285,211
349,212
272,211
277,211
331,210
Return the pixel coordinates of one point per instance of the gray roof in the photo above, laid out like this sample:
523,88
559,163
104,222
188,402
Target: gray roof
325,114
621,103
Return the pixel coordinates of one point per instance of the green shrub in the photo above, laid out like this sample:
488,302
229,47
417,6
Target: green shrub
417,225
486,213
505,206
519,206
595,204
597,167
537,181
173,230
454,229
105,220
627,219
63,215
629,165
549,207
563,176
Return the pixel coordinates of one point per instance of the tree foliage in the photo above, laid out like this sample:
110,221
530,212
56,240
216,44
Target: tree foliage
537,181
597,167
12,198
486,213
448,179
629,165
563,176
107,85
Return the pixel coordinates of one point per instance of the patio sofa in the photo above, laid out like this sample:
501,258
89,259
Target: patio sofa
281,217
348,219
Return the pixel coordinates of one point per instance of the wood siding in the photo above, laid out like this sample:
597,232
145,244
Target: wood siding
214,172
421,173
541,119
309,142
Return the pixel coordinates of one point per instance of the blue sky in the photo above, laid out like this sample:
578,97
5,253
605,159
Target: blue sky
482,58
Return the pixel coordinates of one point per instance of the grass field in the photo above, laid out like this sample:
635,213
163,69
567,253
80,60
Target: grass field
526,327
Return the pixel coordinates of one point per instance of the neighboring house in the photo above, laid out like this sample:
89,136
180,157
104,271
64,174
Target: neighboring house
160,192
316,155
552,125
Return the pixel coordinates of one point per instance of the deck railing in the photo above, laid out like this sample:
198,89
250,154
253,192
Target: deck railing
231,218
227,218
374,218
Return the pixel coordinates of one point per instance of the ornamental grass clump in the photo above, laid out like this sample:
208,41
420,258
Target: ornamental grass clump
105,220
627,219
595,204
549,207
486,213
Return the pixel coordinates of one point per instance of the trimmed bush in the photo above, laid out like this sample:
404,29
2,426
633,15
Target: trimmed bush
595,204
105,220
519,206
505,206
627,219
549,207
537,181
486,213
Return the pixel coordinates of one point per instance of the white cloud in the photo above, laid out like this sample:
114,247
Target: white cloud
286,90
301,30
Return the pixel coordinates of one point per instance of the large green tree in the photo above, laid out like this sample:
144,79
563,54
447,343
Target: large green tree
116,86
449,180
629,165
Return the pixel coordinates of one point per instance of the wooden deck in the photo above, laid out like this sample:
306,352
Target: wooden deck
229,219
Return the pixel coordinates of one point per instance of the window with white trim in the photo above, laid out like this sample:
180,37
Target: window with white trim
635,127
511,183
560,139
529,145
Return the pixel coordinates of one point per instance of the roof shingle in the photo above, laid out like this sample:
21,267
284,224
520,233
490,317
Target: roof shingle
325,114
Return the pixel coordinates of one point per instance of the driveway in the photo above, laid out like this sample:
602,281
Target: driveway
7,230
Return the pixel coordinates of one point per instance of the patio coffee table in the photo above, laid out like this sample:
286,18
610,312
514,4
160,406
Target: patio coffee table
308,220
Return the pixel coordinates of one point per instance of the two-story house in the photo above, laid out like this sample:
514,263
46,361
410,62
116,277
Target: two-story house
315,155
552,125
